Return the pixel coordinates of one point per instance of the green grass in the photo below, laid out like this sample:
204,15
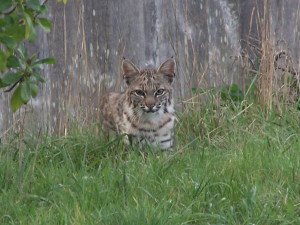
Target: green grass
228,168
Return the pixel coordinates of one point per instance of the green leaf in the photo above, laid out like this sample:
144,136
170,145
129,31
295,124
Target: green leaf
32,35
2,22
16,101
10,20
25,91
38,77
5,5
17,32
37,66
11,78
45,24
30,32
46,61
34,90
32,58
2,84
22,51
34,4
2,61
44,10
8,41
13,62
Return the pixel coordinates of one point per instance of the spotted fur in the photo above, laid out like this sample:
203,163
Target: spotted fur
145,110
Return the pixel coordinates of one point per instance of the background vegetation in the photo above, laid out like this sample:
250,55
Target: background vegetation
18,22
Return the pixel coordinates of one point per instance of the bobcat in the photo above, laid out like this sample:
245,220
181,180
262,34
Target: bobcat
145,111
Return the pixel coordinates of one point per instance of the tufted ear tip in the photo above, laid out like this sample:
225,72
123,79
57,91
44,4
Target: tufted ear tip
167,69
130,71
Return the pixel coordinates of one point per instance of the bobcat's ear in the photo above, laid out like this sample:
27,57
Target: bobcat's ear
167,70
130,71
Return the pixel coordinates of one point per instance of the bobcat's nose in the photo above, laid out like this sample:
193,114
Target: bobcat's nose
150,106
150,103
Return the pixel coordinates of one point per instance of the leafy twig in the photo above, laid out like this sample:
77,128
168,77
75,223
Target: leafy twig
10,10
12,87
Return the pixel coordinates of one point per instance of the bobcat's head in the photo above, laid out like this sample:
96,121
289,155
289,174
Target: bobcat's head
149,90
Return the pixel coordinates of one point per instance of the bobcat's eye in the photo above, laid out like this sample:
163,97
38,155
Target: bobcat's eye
159,91
139,92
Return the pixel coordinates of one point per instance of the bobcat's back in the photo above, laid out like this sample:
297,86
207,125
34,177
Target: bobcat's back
111,110
146,109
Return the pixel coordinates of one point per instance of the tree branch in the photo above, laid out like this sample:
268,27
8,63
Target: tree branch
12,87
10,10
